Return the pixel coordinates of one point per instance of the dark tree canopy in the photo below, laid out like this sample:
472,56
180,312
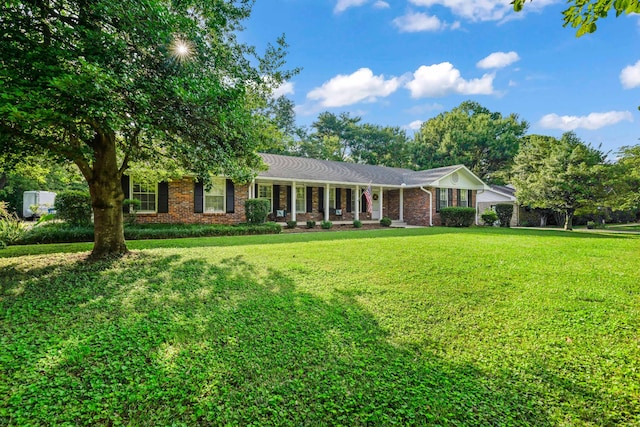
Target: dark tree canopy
562,175
470,134
105,83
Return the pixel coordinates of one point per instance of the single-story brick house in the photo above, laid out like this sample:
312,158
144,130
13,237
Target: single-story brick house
302,189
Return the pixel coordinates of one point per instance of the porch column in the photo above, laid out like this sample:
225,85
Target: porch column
252,189
357,211
381,204
326,202
293,201
402,204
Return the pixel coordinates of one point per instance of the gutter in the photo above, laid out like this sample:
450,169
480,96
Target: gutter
431,206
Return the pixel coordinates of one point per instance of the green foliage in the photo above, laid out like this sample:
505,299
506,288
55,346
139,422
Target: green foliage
583,14
470,134
625,179
504,211
457,217
11,227
64,233
256,210
591,225
74,207
326,328
311,224
292,224
489,217
326,225
385,221
131,206
561,175
357,223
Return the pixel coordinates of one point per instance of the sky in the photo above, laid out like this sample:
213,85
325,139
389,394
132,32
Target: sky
401,62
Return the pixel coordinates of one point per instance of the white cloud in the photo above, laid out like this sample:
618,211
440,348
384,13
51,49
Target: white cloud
285,88
381,5
592,121
498,60
350,89
482,10
630,76
415,125
416,22
343,5
443,79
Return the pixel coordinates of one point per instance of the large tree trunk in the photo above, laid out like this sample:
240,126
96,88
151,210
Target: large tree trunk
568,219
106,200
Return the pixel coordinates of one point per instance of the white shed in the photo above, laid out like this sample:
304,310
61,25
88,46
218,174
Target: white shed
43,199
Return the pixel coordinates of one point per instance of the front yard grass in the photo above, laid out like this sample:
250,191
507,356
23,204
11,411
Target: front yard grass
436,326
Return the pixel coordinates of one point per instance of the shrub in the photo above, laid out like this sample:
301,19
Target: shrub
326,224
504,212
74,207
591,225
489,217
357,223
292,224
256,210
11,228
131,216
385,222
457,217
311,224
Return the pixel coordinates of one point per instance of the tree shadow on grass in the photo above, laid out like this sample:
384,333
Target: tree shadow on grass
159,340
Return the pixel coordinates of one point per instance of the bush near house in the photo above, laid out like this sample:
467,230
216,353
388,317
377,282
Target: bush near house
457,217
504,212
256,210
292,224
311,224
74,207
489,217
357,223
385,222
326,225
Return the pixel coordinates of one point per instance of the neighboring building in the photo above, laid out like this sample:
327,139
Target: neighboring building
497,194
302,189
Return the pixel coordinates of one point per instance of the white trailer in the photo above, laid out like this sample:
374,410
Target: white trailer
43,199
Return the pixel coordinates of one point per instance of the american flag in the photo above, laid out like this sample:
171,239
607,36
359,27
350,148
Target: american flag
368,197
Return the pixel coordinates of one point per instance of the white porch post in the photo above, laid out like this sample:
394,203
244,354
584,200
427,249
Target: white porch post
381,204
293,201
326,202
252,189
357,211
401,204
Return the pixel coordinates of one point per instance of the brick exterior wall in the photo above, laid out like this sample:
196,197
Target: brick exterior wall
181,207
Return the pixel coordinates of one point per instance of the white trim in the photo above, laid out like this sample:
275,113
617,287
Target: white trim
140,181
270,198
224,197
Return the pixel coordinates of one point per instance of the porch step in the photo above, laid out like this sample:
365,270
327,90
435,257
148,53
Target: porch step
398,224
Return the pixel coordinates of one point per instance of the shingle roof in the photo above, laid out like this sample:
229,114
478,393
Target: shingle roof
305,169
510,191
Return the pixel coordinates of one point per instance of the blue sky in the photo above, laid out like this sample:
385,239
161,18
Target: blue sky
401,62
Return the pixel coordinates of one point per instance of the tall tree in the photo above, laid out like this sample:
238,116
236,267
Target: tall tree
103,83
562,175
583,14
625,183
470,134
331,137
381,145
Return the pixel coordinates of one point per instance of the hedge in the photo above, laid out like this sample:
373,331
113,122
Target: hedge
457,217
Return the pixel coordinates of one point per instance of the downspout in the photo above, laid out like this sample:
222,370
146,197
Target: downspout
478,192
430,205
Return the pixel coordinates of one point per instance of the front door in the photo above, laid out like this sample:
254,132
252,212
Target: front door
375,212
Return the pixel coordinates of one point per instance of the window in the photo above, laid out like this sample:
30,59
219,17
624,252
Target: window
462,198
147,193
332,198
444,198
266,192
214,198
353,201
301,202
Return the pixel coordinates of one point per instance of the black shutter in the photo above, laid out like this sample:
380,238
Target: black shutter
437,200
349,197
309,199
470,198
459,203
450,199
363,203
231,197
163,197
125,189
289,198
198,198
321,199
338,198
276,198
255,191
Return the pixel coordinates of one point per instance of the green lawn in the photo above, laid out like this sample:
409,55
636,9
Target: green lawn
406,327
626,227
